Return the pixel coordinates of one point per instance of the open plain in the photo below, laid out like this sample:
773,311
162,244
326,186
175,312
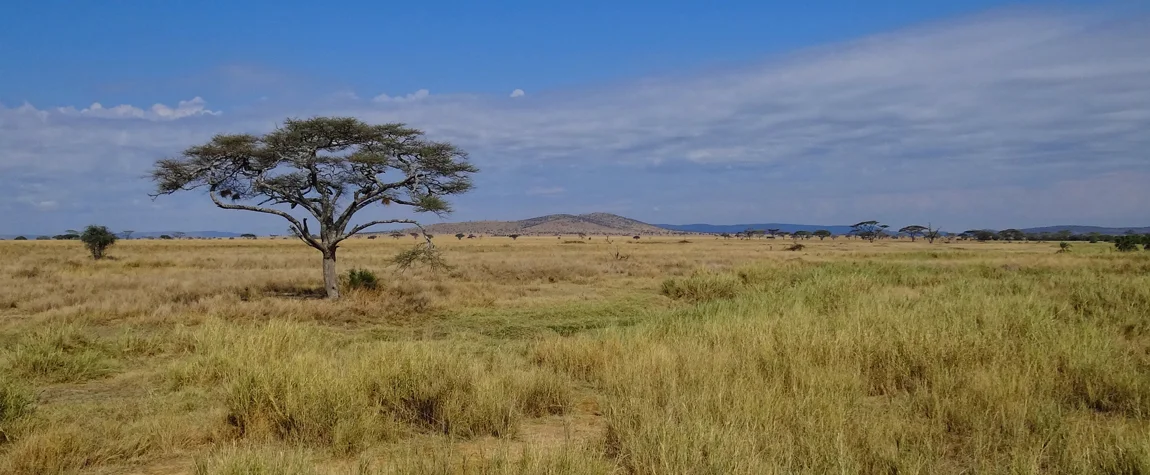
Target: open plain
543,355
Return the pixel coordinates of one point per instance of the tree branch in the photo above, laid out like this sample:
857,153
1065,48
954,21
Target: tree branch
387,221
307,238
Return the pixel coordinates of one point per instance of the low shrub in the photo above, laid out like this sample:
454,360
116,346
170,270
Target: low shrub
362,279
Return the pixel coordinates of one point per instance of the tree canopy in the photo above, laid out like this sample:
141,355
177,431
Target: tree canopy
329,168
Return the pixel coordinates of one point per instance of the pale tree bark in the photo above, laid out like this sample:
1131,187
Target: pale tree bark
330,275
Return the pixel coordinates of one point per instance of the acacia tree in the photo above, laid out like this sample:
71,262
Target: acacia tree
330,168
913,231
822,234
97,239
869,230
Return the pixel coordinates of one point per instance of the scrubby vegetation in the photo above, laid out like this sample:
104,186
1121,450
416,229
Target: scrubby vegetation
717,356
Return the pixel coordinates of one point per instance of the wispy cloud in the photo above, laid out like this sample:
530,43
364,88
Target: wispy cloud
993,120
517,93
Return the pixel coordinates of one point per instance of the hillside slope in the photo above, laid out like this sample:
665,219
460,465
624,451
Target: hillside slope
591,223
736,228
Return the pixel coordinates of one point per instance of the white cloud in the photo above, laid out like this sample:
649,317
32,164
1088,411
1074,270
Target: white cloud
195,106
518,93
415,96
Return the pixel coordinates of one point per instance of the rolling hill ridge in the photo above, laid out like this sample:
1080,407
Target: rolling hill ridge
591,223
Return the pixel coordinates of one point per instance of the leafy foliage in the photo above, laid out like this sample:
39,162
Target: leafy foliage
1127,243
97,239
330,168
913,231
869,230
20,238
420,254
362,279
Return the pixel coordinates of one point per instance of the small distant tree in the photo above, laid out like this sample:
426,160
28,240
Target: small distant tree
20,238
460,236
127,233
773,232
43,238
371,237
470,236
984,235
931,234
396,234
725,235
635,236
822,234
913,231
165,236
179,234
869,230
1011,235
513,236
97,239
248,236
414,235
1063,247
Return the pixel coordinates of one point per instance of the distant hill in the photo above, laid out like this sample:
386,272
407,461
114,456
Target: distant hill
1074,229
735,228
592,223
197,234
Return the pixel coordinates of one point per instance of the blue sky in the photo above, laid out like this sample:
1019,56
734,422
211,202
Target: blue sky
964,113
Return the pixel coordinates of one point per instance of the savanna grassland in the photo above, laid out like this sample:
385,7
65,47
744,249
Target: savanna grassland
547,355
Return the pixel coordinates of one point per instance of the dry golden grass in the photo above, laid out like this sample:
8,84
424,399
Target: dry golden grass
547,355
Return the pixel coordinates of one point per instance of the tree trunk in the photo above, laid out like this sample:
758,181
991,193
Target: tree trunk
330,276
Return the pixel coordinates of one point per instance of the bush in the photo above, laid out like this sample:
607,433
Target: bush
362,279
20,238
796,247
1127,243
97,239
1063,247
165,236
